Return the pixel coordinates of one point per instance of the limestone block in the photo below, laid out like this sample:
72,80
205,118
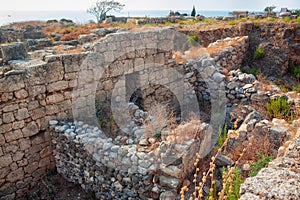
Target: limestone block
13,51
13,135
30,129
22,114
31,167
36,90
24,144
21,94
2,139
55,98
8,117
38,113
4,128
10,108
18,156
52,109
12,83
57,86
5,161
32,105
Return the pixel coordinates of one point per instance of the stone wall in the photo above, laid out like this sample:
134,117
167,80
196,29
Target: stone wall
65,87
32,94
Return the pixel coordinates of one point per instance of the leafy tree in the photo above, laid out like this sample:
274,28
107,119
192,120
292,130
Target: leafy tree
269,9
102,7
193,14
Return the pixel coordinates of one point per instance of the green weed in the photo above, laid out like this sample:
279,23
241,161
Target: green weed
222,137
279,108
259,164
259,53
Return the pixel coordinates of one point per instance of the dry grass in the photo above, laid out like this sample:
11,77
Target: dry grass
21,24
208,177
72,32
158,119
192,53
60,50
213,50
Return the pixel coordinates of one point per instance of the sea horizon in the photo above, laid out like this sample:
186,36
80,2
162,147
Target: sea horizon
82,17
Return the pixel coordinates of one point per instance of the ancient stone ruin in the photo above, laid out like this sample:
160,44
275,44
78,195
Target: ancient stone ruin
86,114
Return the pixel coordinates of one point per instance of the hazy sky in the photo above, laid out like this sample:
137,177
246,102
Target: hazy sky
254,5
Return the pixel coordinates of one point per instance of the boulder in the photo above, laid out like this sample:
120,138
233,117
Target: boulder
13,51
87,38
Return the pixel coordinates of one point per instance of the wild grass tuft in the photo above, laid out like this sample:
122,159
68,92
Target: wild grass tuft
259,164
259,53
279,108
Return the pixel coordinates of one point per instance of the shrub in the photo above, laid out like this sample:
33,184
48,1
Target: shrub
259,53
279,108
296,88
271,19
232,22
192,39
256,24
254,71
66,20
52,21
286,19
259,164
244,19
296,72
296,20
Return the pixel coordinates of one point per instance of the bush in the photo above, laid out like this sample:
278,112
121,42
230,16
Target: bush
232,22
296,72
271,19
66,20
254,71
192,40
244,19
259,164
259,53
296,88
52,21
279,108
286,19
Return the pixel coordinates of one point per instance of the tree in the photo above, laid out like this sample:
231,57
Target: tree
193,14
269,9
102,7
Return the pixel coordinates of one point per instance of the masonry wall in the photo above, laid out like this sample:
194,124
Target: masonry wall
35,92
30,97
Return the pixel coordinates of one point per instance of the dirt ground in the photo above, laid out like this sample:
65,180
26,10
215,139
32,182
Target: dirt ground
54,187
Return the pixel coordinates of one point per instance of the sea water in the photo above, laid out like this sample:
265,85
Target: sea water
82,17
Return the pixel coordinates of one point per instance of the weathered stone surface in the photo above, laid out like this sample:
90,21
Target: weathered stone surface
55,98
21,94
10,108
8,117
4,128
5,161
15,175
22,114
30,129
13,51
278,180
13,135
222,160
57,86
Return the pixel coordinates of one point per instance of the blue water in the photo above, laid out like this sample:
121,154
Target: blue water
82,17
